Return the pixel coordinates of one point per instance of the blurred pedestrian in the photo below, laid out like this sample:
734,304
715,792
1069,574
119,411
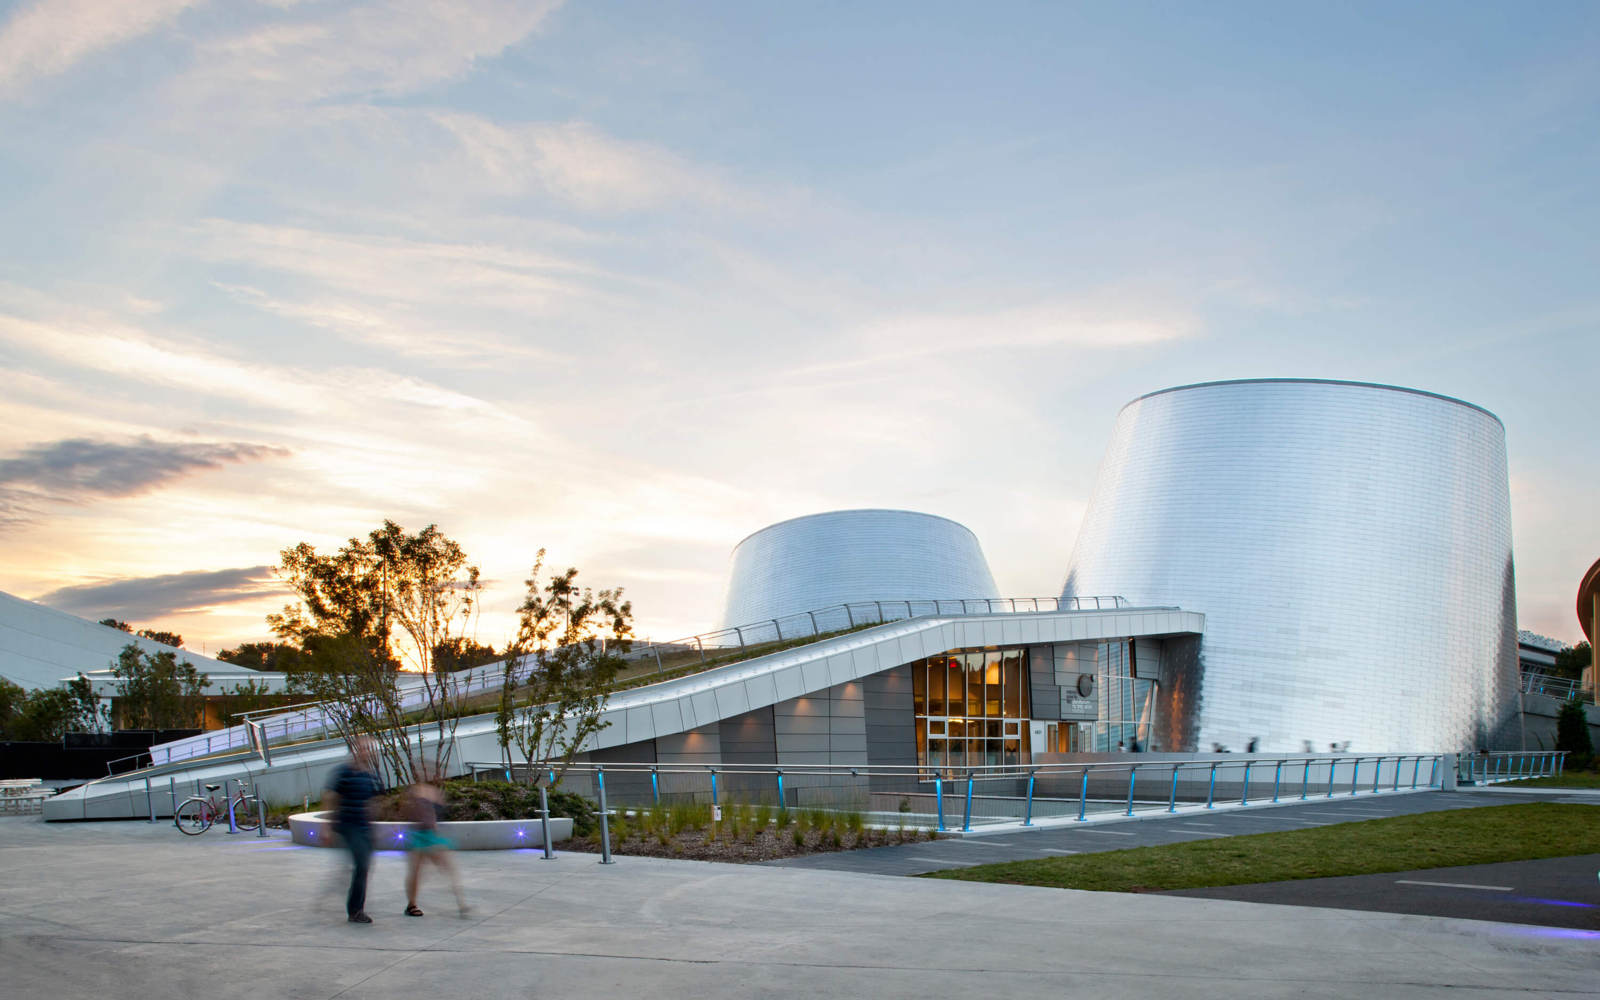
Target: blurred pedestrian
349,795
423,807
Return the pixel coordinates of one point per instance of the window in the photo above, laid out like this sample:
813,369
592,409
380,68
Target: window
972,708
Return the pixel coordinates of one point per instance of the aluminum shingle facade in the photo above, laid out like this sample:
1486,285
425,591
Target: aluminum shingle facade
1349,544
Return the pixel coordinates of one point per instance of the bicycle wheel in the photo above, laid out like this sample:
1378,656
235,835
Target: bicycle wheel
244,812
193,816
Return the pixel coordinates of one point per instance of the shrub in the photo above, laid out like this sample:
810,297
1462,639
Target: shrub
485,800
1572,733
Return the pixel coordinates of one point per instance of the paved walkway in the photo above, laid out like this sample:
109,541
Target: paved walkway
1145,831
132,909
1553,892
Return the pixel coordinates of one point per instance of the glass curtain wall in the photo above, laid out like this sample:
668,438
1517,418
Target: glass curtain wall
972,708
1125,699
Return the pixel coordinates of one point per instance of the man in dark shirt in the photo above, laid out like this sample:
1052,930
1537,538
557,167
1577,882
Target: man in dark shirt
350,788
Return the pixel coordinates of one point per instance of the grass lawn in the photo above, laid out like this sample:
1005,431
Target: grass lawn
1568,779
1402,843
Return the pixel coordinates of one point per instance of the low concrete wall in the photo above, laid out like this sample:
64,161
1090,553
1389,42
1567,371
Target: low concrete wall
315,829
1539,713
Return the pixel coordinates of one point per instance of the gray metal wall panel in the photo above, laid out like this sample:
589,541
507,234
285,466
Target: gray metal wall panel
748,738
1044,693
890,722
1349,545
627,786
697,746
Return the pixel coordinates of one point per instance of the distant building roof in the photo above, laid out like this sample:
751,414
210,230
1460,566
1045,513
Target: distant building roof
41,647
1537,641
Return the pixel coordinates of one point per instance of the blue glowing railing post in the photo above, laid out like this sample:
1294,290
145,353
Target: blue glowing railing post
1172,799
605,824
544,822
1277,778
1333,766
1133,775
781,802
966,812
1355,775
1027,814
938,797
1305,780
1244,797
1397,762
1211,787
1433,772
655,787
1416,766
1083,796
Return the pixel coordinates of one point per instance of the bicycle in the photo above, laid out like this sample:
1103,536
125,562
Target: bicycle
198,812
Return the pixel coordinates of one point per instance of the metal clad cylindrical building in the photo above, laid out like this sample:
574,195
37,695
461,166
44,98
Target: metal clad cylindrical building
1349,545
852,555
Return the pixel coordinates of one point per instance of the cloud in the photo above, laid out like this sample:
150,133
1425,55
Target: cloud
52,36
147,600
578,164
901,339
363,50
80,468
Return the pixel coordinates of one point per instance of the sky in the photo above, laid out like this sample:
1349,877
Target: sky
628,281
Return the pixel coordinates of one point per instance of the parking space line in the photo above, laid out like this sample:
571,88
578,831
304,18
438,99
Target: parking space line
1455,885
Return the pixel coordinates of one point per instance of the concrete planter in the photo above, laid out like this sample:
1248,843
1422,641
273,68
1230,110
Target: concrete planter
315,829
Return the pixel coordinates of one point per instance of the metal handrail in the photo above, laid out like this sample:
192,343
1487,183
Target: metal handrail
1491,767
311,716
1336,774
1561,688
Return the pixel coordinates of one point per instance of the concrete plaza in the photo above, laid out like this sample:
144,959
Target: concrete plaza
138,910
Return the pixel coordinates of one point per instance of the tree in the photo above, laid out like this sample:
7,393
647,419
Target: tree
13,700
270,656
91,714
165,638
156,691
379,605
1572,732
154,635
1573,661
560,668
463,654
44,715
250,696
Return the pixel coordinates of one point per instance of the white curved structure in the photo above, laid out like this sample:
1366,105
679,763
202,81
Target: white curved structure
852,555
41,647
1349,545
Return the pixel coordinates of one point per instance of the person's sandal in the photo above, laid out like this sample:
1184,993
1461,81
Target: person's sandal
413,911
